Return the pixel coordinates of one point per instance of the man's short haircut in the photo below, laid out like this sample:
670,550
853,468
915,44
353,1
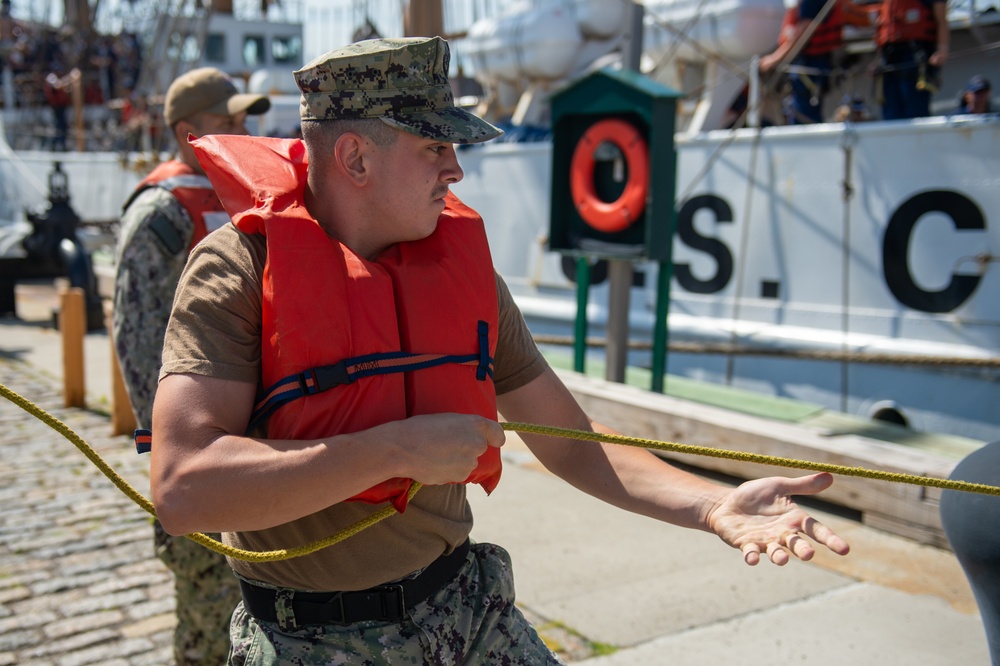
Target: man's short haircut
322,135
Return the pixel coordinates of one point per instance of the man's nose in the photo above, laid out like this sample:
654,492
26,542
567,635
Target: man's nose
454,172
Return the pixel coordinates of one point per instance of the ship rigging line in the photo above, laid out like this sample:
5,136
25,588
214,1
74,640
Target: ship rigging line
802,69
389,510
803,354
744,242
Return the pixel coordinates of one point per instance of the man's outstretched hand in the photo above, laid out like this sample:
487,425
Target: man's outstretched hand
759,516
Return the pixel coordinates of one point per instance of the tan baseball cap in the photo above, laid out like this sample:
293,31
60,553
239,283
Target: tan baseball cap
208,90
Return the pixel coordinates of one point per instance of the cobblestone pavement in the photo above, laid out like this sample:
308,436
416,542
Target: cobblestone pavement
79,583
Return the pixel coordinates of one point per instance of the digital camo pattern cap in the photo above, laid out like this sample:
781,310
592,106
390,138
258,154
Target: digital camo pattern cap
404,82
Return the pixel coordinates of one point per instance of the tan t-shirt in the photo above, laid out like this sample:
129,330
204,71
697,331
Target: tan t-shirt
215,329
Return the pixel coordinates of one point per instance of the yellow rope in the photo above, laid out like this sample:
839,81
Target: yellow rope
762,459
207,541
382,514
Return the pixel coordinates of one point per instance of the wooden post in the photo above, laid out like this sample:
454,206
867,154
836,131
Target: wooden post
619,291
122,416
73,326
424,18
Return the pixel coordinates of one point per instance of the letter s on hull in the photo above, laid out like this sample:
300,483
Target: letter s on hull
712,246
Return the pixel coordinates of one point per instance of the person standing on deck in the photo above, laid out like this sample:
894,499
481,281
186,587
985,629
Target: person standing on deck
913,40
976,96
58,91
811,67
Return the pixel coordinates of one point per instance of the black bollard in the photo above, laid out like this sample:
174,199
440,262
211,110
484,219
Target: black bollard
972,524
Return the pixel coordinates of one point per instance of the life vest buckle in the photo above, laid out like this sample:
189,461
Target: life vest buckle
325,377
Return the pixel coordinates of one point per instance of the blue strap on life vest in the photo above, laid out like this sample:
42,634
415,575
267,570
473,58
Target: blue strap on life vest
319,379
485,364
322,378
143,440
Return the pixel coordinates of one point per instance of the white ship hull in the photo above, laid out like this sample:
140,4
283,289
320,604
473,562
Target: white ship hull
770,255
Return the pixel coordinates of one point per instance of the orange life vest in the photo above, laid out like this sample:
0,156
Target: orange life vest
433,297
905,21
828,37
194,192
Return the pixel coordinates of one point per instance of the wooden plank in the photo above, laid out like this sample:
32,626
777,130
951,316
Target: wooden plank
917,532
905,509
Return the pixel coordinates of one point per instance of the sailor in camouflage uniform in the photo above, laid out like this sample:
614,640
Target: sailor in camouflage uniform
171,210
379,128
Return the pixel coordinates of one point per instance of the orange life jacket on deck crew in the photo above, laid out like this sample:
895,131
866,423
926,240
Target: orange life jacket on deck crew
827,38
194,192
322,304
905,21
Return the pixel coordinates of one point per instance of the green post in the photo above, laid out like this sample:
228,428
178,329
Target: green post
580,330
660,340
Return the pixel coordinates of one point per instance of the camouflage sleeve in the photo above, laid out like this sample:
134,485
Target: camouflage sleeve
153,240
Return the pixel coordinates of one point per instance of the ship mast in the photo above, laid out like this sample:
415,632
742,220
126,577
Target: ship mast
79,14
423,18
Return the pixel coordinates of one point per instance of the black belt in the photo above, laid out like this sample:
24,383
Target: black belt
386,603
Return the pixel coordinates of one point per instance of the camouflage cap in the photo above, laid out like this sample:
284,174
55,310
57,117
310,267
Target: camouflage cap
403,82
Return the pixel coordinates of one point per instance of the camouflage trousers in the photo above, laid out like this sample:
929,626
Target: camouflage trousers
207,592
472,620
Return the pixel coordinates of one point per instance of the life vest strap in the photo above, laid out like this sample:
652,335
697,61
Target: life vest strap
319,379
325,377
143,440
485,366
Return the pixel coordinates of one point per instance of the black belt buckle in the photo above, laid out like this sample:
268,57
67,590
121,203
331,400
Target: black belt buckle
337,602
393,602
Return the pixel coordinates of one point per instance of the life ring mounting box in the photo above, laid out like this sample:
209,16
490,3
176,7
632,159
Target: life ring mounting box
613,168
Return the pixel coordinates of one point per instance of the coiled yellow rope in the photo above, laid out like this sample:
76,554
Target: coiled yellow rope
388,511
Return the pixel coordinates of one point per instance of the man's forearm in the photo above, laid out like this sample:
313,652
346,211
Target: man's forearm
635,480
237,483
204,477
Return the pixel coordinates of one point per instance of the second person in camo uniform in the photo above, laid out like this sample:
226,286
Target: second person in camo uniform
173,209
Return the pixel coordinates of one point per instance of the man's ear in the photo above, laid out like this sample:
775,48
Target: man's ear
352,157
181,131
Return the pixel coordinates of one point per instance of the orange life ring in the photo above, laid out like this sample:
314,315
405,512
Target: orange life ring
619,214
